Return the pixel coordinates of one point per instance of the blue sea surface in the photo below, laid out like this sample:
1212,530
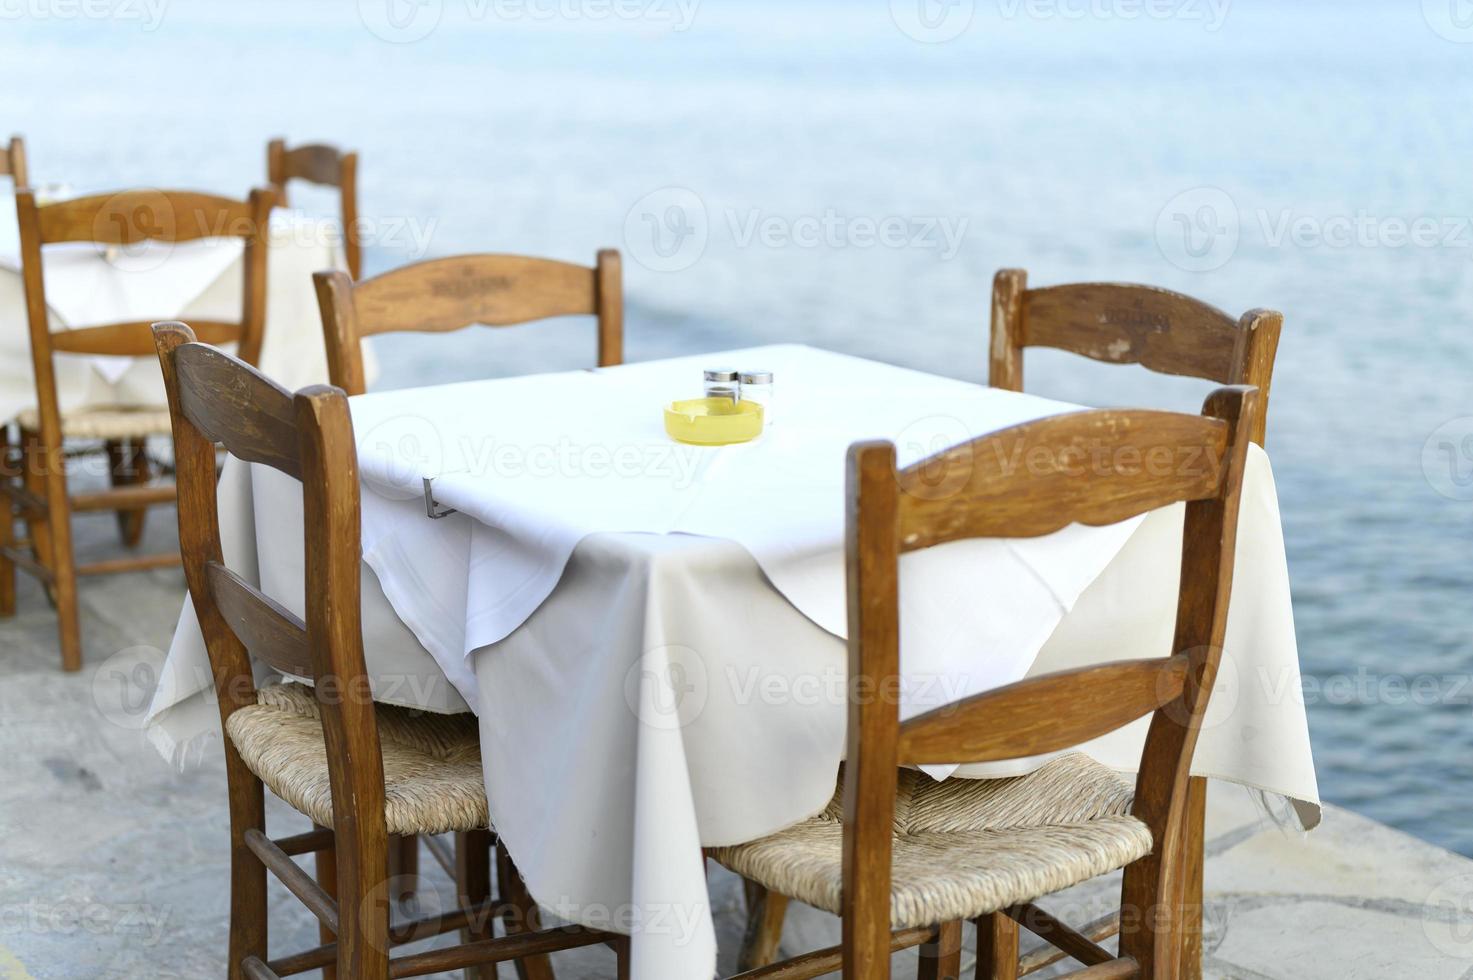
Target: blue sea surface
851,174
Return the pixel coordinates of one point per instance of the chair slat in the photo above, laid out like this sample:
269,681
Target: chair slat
238,407
316,163
1042,714
1093,468
319,163
133,216
492,290
135,339
266,628
1129,324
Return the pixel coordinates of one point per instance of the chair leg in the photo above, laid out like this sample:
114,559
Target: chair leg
7,529
997,947
621,958
51,467
941,959
521,914
326,861
765,911
33,478
247,873
1192,840
404,868
472,885
128,466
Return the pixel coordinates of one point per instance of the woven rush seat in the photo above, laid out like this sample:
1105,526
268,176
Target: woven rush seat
432,763
105,422
965,847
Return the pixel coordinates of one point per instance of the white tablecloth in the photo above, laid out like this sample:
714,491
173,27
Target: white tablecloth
643,693
87,287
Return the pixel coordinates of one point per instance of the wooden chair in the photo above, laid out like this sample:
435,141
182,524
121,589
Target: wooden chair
1124,324
360,771
40,496
317,163
904,860
448,294
1166,332
1128,324
13,162
441,295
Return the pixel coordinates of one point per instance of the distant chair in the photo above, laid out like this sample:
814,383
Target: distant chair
1164,331
359,770
442,295
40,496
318,163
905,860
13,162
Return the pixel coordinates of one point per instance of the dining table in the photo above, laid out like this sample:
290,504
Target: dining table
89,285
652,634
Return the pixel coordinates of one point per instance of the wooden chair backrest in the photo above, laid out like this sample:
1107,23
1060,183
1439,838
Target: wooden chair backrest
318,163
1092,467
13,162
218,399
1121,323
442,295
128,218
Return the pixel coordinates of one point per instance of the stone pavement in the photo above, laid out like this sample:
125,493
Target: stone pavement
114,865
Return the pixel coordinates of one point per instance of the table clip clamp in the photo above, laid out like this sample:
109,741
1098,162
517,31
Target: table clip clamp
432,508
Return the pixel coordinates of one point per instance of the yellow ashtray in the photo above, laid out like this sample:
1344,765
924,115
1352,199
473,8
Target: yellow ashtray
713,421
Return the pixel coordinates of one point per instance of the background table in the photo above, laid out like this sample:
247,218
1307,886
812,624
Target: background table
86,287
645,694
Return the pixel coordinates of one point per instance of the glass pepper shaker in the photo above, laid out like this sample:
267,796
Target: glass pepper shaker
757,387
723,383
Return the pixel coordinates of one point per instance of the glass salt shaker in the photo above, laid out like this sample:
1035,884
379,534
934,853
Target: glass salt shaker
723,383
757,387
